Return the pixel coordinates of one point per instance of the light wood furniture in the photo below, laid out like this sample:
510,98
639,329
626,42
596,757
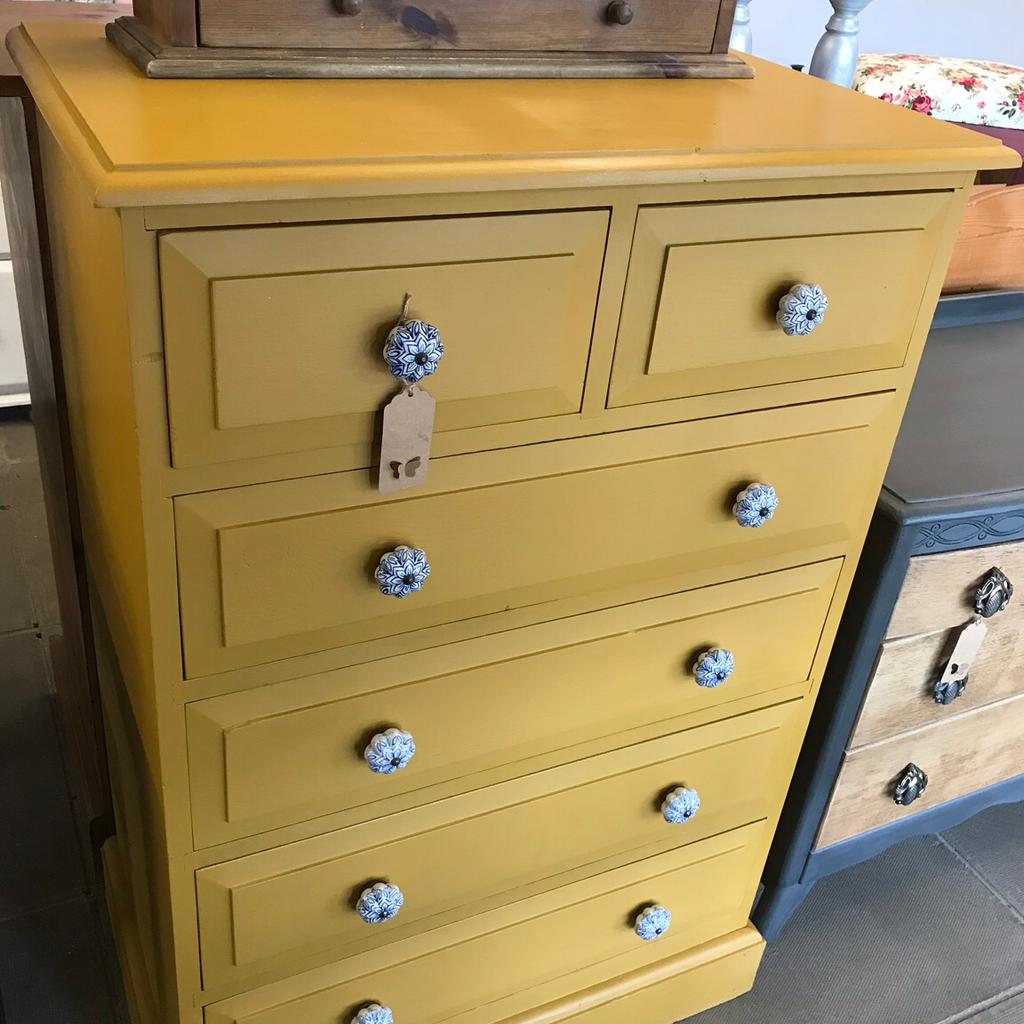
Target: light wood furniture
951,513
989,253
76,696
450,39
581,514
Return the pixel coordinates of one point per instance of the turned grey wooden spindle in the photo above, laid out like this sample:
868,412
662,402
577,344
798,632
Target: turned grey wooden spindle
741,38
835,56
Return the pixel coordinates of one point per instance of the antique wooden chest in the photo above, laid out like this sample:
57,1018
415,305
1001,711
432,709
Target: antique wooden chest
922,710
510,745
446,39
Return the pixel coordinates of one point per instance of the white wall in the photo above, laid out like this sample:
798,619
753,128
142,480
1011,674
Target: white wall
787,30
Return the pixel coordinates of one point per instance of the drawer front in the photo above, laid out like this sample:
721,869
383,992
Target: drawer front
705,282
289,752
938,591
902,693
271,911
959,756
658,25
708,886
274,336
288,568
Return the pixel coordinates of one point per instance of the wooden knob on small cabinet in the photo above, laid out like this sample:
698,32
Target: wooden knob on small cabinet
349,7
619,13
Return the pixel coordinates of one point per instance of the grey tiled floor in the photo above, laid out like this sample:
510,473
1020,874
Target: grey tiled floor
56,965
931,932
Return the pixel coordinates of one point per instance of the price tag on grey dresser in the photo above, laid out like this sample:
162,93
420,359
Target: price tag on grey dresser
968,643
405,440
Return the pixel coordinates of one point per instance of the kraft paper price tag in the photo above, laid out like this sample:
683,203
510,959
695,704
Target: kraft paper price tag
405,440
968,643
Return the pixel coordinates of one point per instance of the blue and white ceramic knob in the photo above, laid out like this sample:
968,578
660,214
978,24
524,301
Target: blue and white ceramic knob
713,667
680,805
413,350
389,751
802,309
653,922
374,1013
402,572
755,505
380,902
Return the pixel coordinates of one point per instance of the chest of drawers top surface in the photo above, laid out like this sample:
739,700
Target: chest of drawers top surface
142,142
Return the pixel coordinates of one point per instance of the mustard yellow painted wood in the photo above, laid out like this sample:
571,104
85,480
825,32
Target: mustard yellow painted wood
274,335
938,590
289,752
280,569
358,138
706,976
327,159
704,283
969,752
578,925
268,912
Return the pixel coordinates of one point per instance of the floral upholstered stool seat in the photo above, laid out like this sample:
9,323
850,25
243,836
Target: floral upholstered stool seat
987,98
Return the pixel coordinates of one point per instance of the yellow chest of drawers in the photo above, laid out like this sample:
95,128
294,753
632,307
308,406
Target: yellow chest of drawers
542,786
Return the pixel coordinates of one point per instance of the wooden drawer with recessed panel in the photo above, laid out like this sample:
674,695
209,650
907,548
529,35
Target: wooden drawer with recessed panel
274,755
535,940
274,335
277,570
701,307
371,884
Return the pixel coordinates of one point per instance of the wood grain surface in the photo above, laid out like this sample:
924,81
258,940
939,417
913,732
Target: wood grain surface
959,756
989,252
901,694
75,682
938,590
658,26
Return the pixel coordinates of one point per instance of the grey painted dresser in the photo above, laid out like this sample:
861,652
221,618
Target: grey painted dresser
921,715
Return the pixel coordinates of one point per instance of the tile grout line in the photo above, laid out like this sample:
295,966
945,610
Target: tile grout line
980,876
964,1016
82,897
35,628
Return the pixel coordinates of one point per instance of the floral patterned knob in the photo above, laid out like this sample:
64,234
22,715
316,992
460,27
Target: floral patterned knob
380,902
653,922
802,309
755,505
680,805
389,751
714,667
402,572
413,350
374,1013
